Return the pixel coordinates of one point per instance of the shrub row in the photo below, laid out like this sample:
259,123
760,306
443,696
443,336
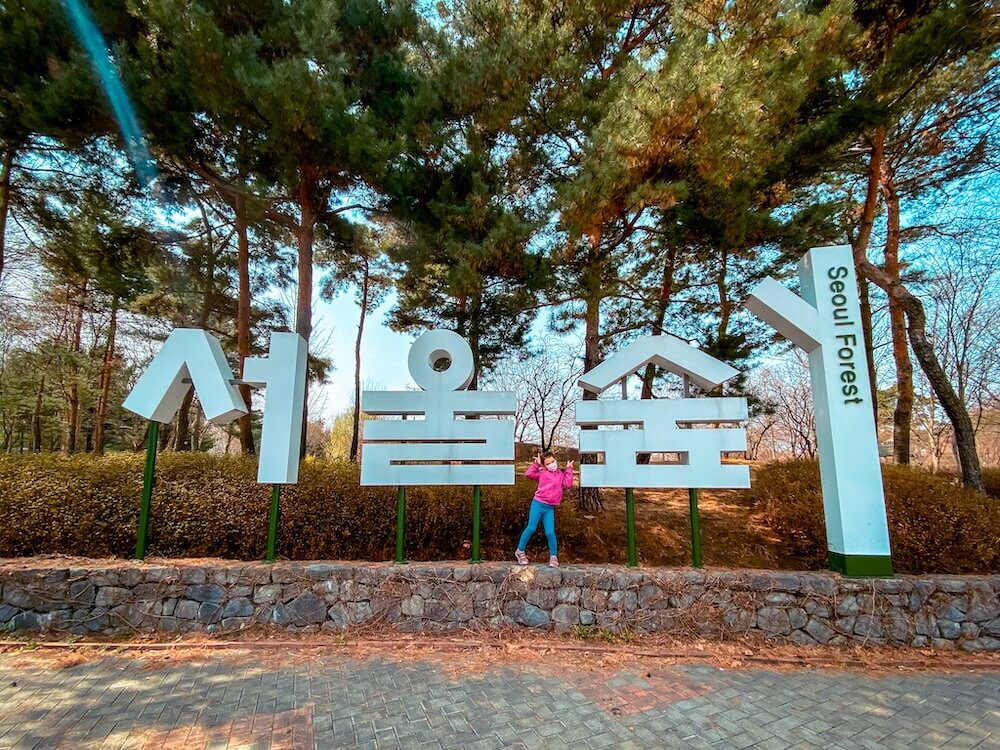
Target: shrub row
211,506
935,524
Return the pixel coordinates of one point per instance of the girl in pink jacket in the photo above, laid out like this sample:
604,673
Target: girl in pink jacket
551,483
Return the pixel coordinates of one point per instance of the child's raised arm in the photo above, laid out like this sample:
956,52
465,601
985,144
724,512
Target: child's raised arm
534,469
568,475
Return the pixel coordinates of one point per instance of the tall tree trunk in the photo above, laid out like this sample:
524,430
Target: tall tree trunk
475,336
36,418
725,304
182,435
356,417
73,397
166,434
6,165
303,302
662,303
865,303
243,318
182,438
100,410
860,250
958,414
590,497
965,436
902,416
660,314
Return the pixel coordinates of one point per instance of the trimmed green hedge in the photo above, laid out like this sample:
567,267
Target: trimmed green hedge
211,506
935,524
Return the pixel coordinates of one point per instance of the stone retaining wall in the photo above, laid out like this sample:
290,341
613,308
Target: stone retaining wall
218,596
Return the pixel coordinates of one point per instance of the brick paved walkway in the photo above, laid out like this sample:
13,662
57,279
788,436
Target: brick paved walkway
337,701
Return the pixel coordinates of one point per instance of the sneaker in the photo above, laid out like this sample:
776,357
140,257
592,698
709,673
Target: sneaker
522,559
553,562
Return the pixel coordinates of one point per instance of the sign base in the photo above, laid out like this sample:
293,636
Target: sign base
860,566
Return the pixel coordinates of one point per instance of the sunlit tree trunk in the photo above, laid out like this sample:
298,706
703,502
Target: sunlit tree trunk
923,349
305,237
243,308
860,249
589,497
902,416
356,417
73,393
100,410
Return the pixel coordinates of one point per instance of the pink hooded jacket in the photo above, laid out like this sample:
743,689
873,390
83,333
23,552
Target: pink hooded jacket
550,483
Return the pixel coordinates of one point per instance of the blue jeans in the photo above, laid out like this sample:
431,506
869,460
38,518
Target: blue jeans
545,513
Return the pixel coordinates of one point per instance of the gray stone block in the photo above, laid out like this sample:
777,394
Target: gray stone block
797,617
568,614
482,590
848,606
210,613
982,644
206,592
110,596
7,612
541,598
925,624
273,615
869,628
238,607
306,608
186,610
626,601
546,577
819,631
773,621
984,604
779,598
413,606
739,619
193,575
527,614
801,638
267,593
82,592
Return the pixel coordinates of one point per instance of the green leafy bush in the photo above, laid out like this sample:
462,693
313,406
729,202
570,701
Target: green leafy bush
935,524
211,506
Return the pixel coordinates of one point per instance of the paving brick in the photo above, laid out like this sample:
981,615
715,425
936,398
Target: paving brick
337,702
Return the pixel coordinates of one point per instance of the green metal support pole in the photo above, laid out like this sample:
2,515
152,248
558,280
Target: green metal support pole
630,527
272,526
476,507
695,531
400,517
148,479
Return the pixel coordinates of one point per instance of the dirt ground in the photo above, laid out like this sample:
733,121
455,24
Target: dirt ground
732,534
474,652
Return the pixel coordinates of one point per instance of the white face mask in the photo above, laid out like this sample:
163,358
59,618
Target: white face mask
552,466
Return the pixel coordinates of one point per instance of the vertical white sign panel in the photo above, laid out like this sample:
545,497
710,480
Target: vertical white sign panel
826,323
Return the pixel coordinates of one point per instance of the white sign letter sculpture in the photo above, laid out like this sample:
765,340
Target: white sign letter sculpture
826,323
193,358
659,422
431,451
283,373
